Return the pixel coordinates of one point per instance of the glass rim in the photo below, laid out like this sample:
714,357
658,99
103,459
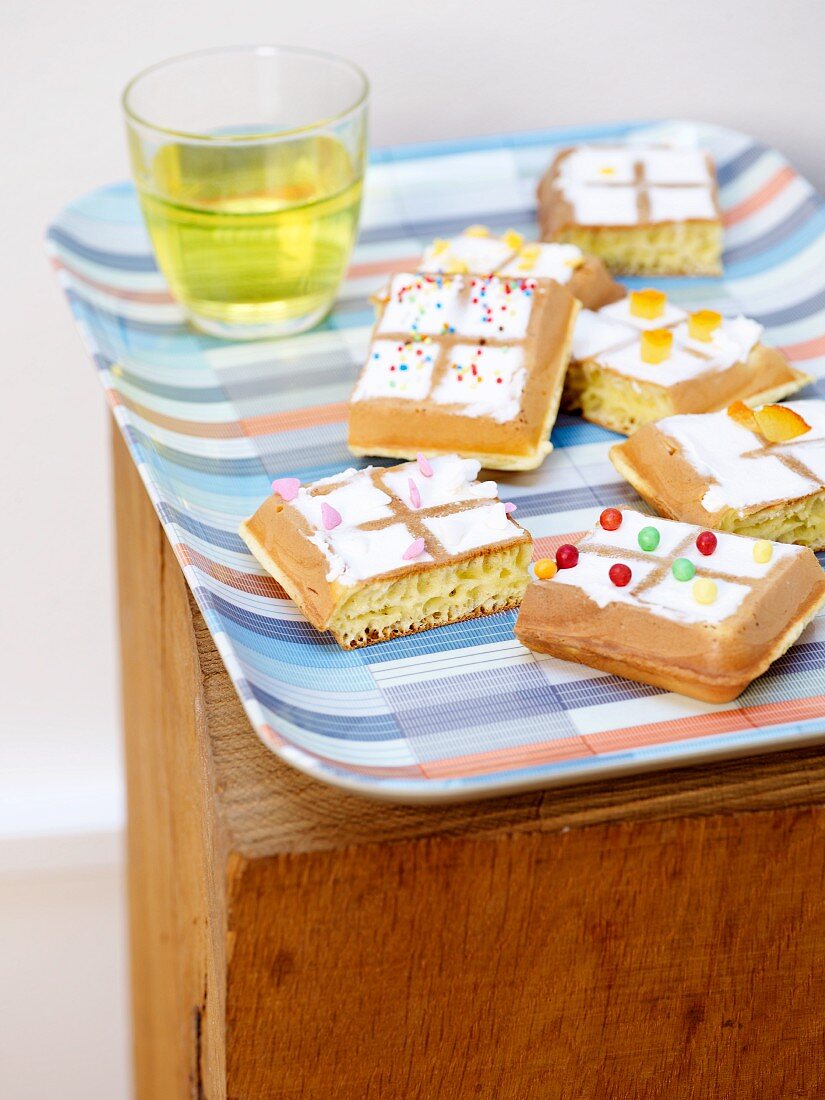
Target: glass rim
238,139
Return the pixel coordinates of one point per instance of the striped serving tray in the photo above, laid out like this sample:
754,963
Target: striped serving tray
462,711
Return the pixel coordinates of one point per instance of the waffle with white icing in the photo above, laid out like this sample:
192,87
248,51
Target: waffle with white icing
644,209
671,605
757,472
643,358
477,251
464,364
376,553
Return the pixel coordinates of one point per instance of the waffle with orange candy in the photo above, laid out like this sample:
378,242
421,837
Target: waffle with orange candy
754,471
645,358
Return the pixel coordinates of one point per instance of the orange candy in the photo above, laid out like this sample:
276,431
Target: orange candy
743,415
648,304
703,324
545,568
656,345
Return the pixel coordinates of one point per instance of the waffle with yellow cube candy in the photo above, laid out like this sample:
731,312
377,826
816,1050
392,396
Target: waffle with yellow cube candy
373,554
477,251
689,610
464,364
755,471
644,358
643,209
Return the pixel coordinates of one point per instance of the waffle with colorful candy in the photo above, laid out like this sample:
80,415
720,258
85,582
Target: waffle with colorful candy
644,358
477,251
464,364
671,604
645,210
756,471
373,554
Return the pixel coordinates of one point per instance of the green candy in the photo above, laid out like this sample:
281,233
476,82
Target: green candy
649,538
683,569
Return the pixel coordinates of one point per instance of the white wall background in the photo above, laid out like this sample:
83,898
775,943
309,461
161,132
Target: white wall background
439,68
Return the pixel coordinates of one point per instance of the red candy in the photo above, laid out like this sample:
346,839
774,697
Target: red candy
611,519
620,574
567,556
706,543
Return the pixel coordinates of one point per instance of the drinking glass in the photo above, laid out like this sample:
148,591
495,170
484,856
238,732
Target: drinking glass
249,163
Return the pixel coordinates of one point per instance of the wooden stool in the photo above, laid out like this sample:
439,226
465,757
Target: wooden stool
659,936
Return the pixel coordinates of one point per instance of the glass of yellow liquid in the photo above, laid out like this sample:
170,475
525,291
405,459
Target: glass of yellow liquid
249,164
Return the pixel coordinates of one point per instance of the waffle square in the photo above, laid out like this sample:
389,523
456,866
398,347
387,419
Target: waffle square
643,209
713,470
376,553
698,613
464,364
611,384
477,251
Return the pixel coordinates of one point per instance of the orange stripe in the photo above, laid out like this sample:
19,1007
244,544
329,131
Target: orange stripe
244,582
774,186
546,547
383,267
581,747
269,423
520,756
152,297
808,349
707,725
227,429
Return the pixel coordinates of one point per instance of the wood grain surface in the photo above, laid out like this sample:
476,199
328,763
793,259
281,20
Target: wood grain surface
654,936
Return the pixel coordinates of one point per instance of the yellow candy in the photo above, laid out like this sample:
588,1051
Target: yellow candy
476,231
656,345
513,240
531,252
607,170
704,590
439,246
762,551
525,265
703,324
648,304
456,267
545,568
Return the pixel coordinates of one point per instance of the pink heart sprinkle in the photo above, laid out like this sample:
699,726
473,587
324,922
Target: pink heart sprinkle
509,507
415,496
330,517
424,465
414,550
286,487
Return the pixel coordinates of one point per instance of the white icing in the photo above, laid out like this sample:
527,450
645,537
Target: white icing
674,599
680,365
675,166
420,305
472,528
356,555
591,573
453,481
678,204
397,369
717,447
595,205
599,164
464,305
620,311
552,261
626,536
357,500
482,255
732,342
484,381
668,597
595,333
